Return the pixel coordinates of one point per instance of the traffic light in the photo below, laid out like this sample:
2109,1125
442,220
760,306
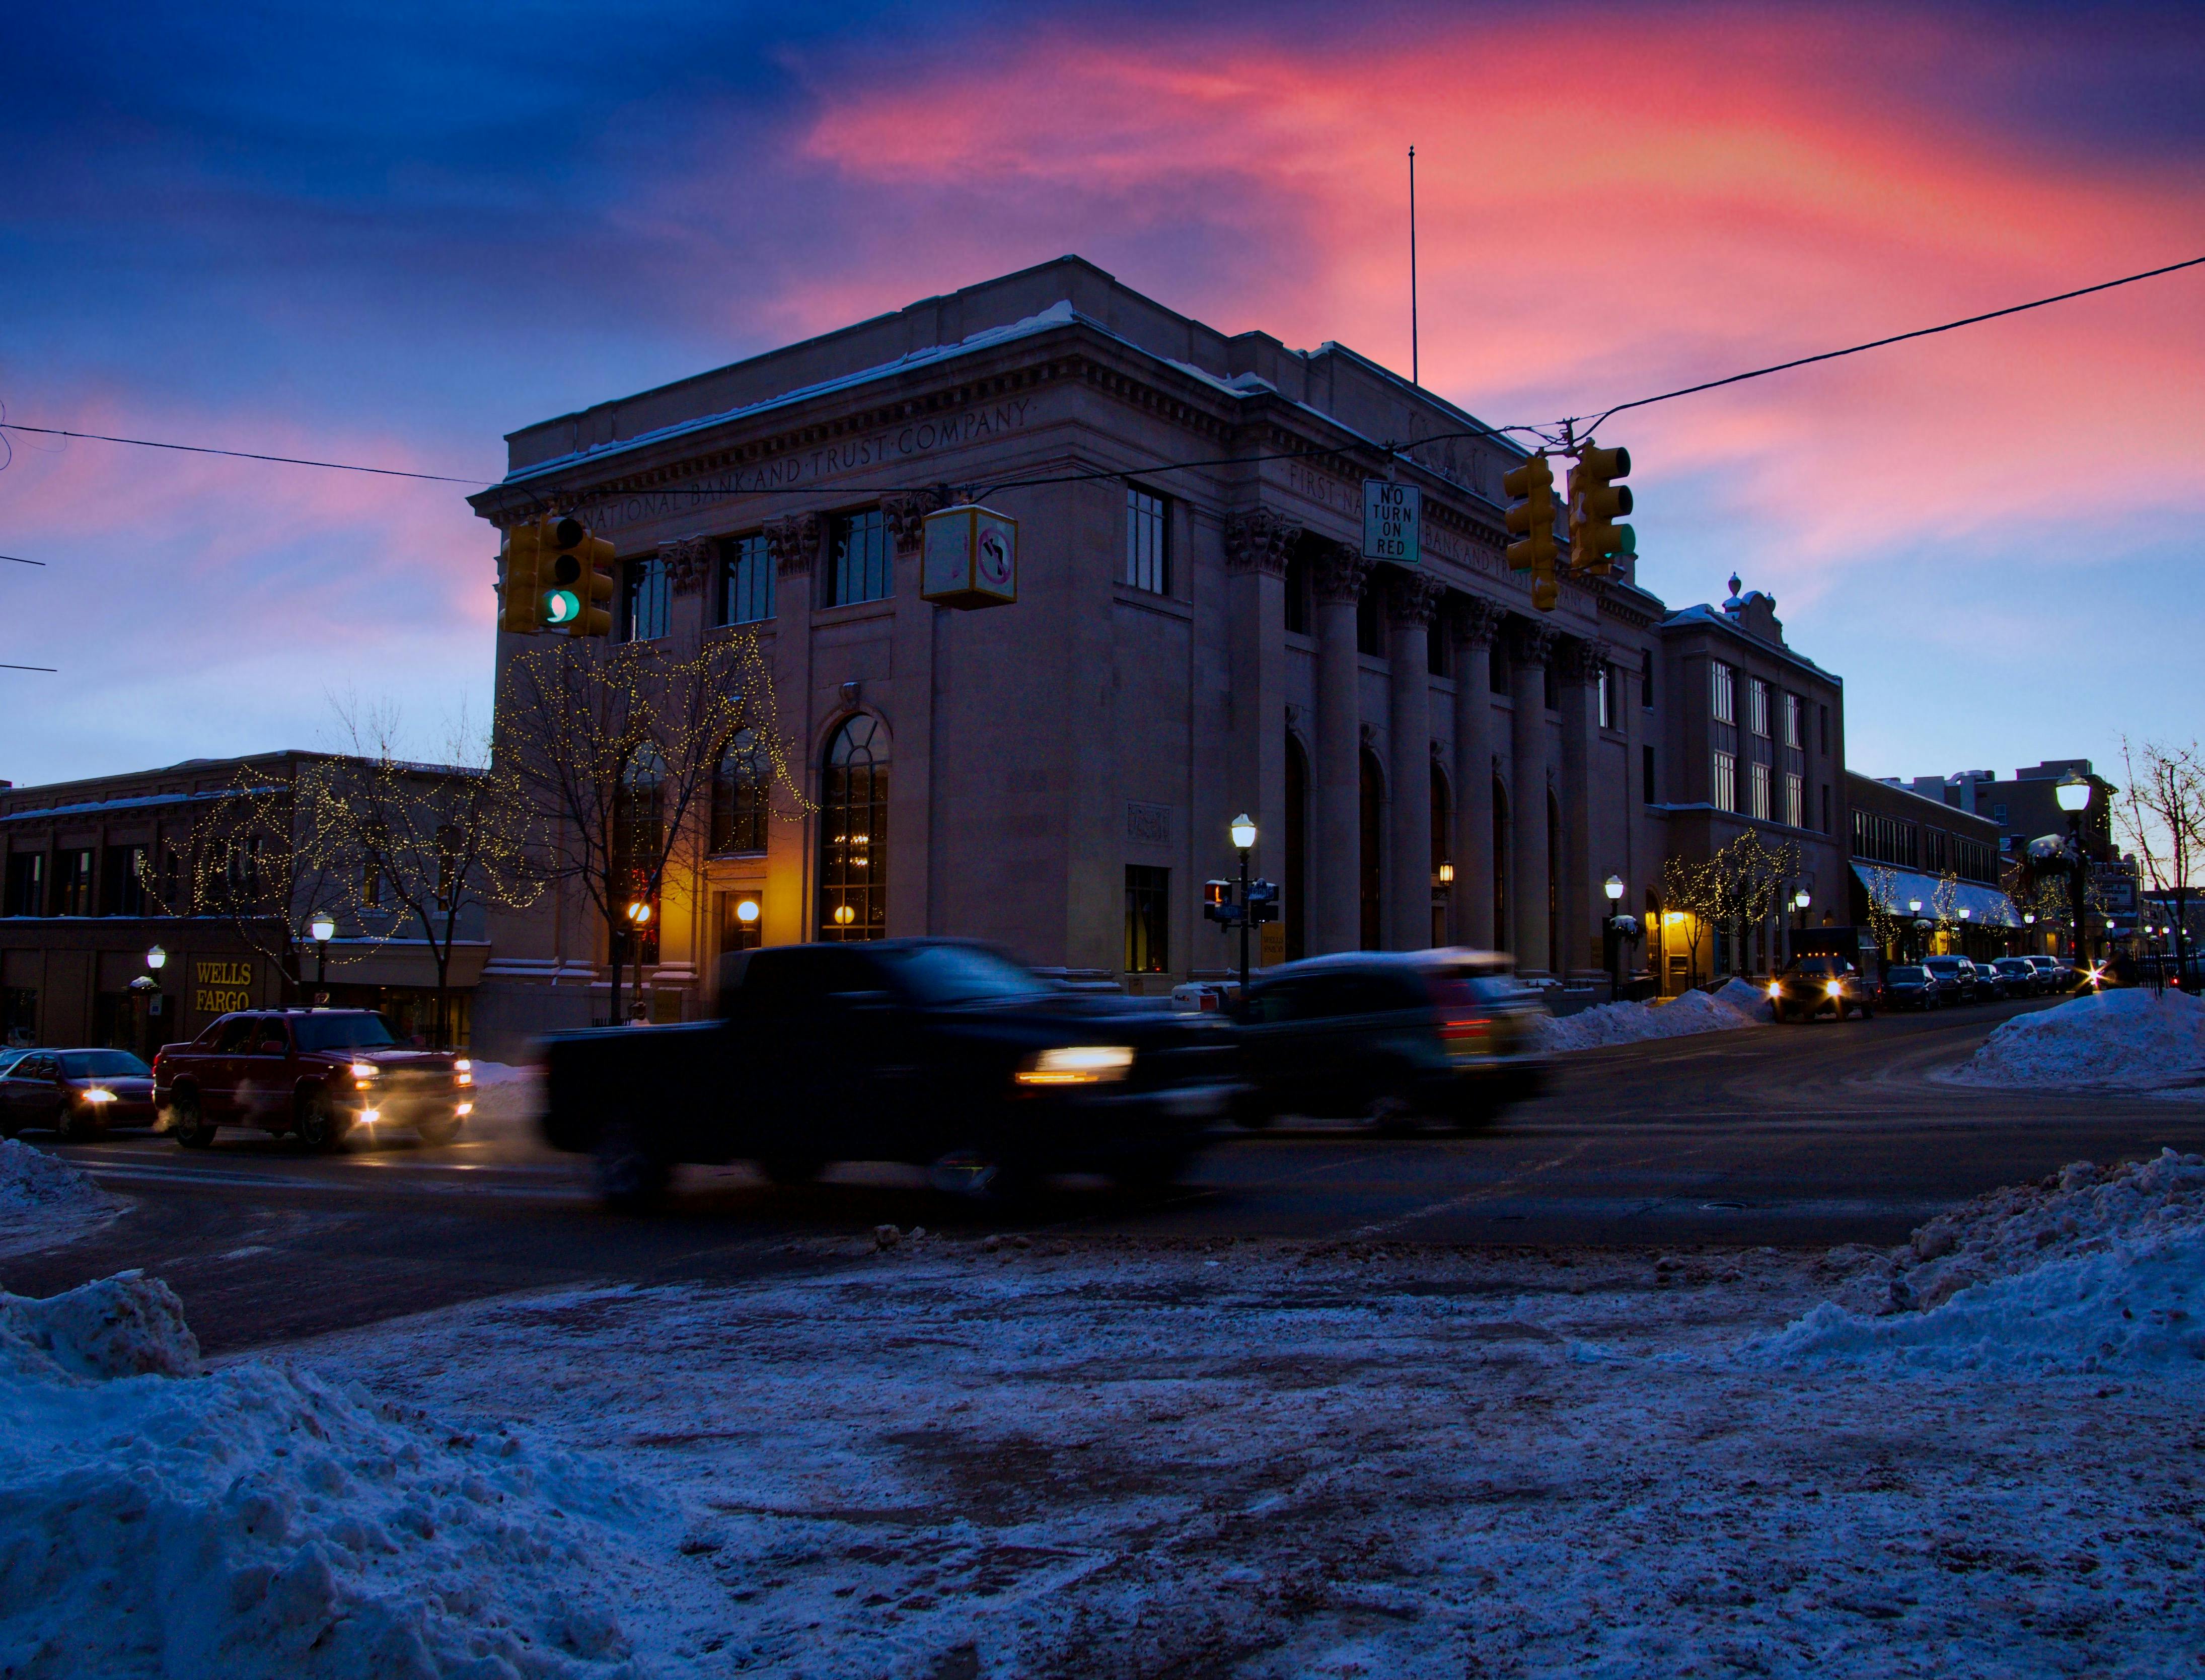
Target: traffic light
1263,901
575,577
521,609
1217,904
1532,522
1596,504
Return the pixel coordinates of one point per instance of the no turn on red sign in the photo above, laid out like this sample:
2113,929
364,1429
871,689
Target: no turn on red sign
1393,522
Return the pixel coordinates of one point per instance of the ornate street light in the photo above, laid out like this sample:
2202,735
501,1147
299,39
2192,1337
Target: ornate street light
1613,888
322,929
156,958
1243,830
2072,791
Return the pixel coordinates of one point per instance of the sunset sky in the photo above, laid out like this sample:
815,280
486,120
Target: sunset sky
390,235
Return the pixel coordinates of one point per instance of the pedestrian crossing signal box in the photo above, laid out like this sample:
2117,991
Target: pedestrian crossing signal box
970,558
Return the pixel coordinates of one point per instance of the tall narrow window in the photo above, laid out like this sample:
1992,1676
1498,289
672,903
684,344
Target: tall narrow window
1370,629
122,887
1293,918
1443,891
72,884
739,784
1496,668
1722,692
1758,783
1646,679
1826,807
858,558
1148,564
1726,781
1297,582
643,599
1757,703
745,581
1826,730
1646,774
1795,800
1435,647
853,823
1792,733
1147,919
26,883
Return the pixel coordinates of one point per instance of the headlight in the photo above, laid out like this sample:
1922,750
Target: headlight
463,1109
96,1095
364,1070
1078,1065
1835,987
1776,990
463,1078
463,1065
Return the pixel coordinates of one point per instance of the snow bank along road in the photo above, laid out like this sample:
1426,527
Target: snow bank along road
1976,1453
1797,1136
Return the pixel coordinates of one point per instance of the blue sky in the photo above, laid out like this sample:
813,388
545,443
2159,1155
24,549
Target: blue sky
393,234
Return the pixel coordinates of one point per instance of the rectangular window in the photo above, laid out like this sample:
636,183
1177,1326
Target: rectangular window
1757,702
1792,737
1147,562
1795,800
1646,773
1147,919
1435,648
1369,628
122,887
1825,731
1550,694
643,599
1722,695
858,551
1826,807
1757,781
73,883
26,883
1296,596
1998,813
1646,680
1726,781
745,581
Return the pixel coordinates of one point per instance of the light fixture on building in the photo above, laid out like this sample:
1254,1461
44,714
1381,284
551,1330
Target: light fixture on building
2072,791
1447,873
1613,886
154,958
746,912
844,916
1244,831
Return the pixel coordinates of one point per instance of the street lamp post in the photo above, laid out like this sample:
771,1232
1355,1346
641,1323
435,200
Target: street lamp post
1244,841
1914,909
2072,791
323,928
155,958
1613,888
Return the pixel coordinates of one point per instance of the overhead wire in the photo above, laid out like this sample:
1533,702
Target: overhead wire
20,560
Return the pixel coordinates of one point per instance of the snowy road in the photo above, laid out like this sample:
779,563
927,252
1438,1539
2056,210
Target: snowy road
1800,1137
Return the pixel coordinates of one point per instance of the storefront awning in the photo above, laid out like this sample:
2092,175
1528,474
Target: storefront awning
1892,888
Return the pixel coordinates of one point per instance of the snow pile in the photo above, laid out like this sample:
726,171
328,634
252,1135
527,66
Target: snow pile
507,1099
2087,1271
260,1522
1744,995
2126,1038
45,1200
1629,1023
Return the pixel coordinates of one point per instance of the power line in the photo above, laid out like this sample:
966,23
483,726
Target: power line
1896,338
29,668
20,560
239,455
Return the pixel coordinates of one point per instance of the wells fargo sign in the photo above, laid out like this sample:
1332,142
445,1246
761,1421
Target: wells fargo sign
217,988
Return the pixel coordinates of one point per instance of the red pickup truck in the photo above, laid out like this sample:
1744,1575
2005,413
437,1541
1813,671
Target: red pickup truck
315,1072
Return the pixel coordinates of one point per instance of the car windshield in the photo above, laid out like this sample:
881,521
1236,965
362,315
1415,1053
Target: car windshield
102,1065
344,1032
1905,974
940,974
2014,965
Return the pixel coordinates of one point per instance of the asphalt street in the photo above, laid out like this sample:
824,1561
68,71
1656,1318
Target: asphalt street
1798,1136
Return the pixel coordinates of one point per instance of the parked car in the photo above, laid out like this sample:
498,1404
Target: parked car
1908,986
2019,977
944,1054
1807,987
76,1092
315,1073
11,1056
1955,977
2054,974
1389,1036
1991,986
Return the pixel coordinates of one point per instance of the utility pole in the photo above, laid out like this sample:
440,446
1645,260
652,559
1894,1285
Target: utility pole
1414,371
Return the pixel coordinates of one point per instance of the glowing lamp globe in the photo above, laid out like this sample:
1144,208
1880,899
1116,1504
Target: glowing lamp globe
2072,791
1244,831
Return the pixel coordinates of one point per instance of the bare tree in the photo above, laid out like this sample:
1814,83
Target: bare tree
614,750
1885,920
1692,888
2162,815
433,845
1750,879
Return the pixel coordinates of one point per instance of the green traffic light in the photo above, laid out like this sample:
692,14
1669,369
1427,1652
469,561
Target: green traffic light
561,606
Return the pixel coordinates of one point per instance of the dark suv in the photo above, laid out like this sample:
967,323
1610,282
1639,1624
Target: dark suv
1807,986
314,1072
1955,977
1390,1036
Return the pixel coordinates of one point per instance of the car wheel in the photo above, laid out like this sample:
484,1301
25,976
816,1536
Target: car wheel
319,1128
791,1169
190,1127
439,1132
631,1176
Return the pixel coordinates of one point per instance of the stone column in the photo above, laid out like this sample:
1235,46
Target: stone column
1335,841
1256,543
794,543
1412,599
1474,623
1581,663
1533,645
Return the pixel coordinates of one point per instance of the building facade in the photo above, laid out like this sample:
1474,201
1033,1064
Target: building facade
95,875
1924,860
2023,808
1197,633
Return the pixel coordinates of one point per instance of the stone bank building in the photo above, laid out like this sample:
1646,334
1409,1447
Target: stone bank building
1428,758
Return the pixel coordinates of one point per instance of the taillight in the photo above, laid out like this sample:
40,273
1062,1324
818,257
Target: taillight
1466,1035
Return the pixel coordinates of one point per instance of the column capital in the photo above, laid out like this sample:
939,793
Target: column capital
1476,621
904,515
688,563
1533,644
1412,597
794,543
1259,540
1340,573
1581,661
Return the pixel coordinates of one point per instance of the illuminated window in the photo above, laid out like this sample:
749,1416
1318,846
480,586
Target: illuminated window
1758,783
853,822
1795,800
739,784
1147,919
1726,781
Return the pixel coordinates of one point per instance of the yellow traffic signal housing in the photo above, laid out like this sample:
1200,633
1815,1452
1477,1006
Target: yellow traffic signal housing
577,578
520,609
1596,504
1532,522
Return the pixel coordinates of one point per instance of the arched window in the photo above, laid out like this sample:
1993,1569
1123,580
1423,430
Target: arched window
1374,852
740,783
1504,931
853,827
1296,917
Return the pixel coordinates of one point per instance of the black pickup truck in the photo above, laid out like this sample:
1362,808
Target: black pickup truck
940,1052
